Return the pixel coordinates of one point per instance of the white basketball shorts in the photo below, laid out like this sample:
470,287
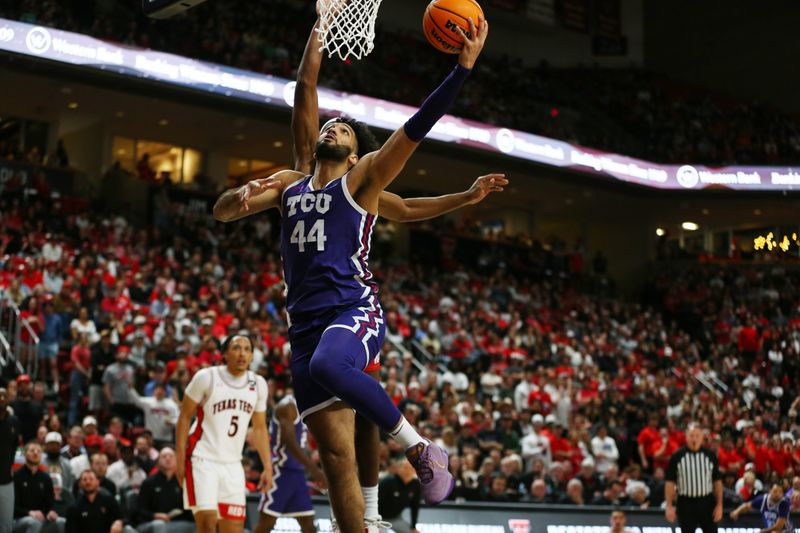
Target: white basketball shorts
212,486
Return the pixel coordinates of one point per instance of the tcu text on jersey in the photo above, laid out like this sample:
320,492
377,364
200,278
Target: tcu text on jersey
308,202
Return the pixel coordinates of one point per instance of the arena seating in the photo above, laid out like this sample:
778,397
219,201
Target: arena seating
474,357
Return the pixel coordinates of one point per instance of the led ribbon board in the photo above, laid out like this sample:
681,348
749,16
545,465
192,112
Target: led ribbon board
88,52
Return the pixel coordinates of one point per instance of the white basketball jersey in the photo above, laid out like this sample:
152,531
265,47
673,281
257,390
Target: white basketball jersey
226,405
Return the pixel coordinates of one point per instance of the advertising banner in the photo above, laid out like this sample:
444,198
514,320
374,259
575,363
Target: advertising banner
88,52
520,518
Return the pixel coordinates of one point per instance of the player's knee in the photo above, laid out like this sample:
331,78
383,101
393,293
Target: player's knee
337,458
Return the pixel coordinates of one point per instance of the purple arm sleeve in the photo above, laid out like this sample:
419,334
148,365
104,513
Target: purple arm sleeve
436,105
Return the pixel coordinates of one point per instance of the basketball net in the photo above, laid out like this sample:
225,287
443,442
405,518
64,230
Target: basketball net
347,27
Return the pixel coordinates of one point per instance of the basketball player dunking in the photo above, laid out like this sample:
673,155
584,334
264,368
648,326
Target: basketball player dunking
289,495
225,399
337,325
305,132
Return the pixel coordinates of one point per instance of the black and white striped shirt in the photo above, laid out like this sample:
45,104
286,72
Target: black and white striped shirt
694,473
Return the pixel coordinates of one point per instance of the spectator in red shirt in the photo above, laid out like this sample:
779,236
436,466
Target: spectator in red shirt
749,341
80,357
649,441
778,456
730,462
757,452
541,396
560,448
665,447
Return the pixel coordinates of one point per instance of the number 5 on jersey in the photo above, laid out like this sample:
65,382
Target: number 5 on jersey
315,234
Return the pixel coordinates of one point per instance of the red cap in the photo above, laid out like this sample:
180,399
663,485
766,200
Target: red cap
23,378
125,443
123,349
93,440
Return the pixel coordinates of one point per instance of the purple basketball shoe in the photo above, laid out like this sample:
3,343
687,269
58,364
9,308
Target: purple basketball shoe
430,462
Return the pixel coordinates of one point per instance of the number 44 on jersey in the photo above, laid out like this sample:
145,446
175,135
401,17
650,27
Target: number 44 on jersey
315,235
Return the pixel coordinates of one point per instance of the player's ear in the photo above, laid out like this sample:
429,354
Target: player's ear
352,159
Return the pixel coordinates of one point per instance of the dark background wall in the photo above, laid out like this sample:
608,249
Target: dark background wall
746,48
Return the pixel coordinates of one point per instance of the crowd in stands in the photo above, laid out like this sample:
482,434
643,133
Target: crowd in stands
10,151
630,111
540,391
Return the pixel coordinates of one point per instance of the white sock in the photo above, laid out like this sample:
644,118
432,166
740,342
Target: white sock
370,502
406,435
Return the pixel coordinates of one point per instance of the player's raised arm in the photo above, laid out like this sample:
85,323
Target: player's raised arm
380,168
305,113
397,209
253,197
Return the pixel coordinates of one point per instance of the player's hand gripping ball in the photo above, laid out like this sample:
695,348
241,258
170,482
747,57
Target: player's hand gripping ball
443,18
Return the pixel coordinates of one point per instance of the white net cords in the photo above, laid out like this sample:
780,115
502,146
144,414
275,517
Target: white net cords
347,27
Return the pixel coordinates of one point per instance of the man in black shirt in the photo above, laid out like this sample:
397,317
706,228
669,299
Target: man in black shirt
537,493
613,495
693,474
160,503
102,356
33,495
96,510
99,465
399,490
28,412
9,439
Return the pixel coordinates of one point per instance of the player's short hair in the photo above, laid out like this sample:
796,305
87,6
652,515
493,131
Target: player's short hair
227,342
364,137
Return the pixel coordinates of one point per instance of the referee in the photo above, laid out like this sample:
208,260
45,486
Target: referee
693,474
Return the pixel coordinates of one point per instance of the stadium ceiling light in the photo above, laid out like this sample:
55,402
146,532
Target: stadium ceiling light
278,144
706,211
163,122
690,226
422,172
119,114
756,212
72,105
660,232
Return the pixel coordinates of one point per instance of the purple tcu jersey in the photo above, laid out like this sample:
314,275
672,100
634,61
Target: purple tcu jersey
325,242
282,459
771,513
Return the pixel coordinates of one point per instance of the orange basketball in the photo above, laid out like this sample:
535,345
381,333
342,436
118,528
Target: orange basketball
440,21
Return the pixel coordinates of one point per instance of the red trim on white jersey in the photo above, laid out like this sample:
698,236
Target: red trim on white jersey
194,438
